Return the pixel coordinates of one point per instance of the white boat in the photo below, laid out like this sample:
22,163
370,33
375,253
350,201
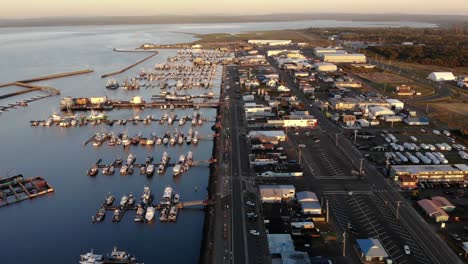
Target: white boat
96,116
176,198
177,170
163,216
131,158
173,213
165,141
158,141
150,169
149,213
167,195
123,169
124,200
91,258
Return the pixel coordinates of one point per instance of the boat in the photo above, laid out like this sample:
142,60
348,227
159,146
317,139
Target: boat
124,169
130,159
176,170
172,213
112,84
140,213
131,199
105,170
167,195
143,170
149,213
110,199
91,258
121,256
149,159
96,116
195,138
158,141
118,160
146,197
116,216
111,170
163,215
150,169
93,171
124,200
165,141
101,214
176,198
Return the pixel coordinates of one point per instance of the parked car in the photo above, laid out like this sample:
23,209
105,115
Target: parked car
407,249
254,232
250,203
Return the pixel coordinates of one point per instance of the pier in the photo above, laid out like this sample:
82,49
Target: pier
131,66
16,189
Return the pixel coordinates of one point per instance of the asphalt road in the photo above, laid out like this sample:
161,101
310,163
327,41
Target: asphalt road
432,245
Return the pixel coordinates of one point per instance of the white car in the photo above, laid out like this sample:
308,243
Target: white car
407,250
250,203
254,232
436,132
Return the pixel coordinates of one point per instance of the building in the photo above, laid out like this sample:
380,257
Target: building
348,84
462,81
282,250
294,121
253,107
433,211
396,104
431,173
278,134
443,203
276,193
325,67
279,170
371,250
270,42
344,58
376,111
309,203
320,52
416,121
441,76
283,51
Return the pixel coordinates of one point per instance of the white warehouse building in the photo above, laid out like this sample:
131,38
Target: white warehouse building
325,67
345,58
441,76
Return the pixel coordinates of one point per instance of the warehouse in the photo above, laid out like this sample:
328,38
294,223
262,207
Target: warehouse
320,52
282,250
276,193
279,170
325,67
433,211
396,104
309,203
372,250
271,42
431,173
348,84
345,58
443,203
376,111
278,134
441,76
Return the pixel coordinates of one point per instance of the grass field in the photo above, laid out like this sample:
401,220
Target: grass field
387,82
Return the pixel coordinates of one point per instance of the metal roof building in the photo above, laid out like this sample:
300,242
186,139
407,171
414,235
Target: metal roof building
441,76
371,249
283,252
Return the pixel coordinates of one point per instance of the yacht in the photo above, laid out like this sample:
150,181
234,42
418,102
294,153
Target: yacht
124,169
93,171
149,213
177,170
121,256
131,158
116,216
101,214
158,141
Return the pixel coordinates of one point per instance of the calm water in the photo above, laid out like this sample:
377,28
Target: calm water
57,228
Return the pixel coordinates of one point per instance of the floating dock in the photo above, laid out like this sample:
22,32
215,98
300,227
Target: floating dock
131,66
16,189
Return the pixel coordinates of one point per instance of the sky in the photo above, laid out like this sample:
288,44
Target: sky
64,8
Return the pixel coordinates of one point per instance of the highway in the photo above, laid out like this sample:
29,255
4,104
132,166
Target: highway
433,246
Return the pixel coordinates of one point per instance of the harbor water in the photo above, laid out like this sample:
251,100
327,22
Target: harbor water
57,228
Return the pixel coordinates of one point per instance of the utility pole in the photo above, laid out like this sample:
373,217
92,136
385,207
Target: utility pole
398,211
360,166
344,244
328,214
336,139
355,136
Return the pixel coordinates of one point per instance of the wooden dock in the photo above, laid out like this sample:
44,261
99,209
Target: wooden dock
22,189
131,66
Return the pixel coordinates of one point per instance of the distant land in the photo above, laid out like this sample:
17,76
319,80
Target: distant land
442,20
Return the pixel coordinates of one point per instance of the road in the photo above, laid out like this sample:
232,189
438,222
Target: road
432,245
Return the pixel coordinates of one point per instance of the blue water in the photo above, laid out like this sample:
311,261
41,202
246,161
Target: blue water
57,228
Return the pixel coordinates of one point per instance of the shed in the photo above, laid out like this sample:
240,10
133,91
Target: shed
371,250
441,76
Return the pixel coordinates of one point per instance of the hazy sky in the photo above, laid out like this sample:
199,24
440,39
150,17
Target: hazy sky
46,8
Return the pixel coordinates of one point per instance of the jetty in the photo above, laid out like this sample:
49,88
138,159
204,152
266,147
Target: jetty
16,189
131,66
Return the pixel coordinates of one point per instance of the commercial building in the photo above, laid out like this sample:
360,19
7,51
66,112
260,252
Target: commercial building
320,52
441,76
294,121
416,121
344,58
270,42
325,67
350,103
433,211
348,84
430,173
281,247
371,250
253,107
278,134
396,104
376,111
309,203
276,193
283,51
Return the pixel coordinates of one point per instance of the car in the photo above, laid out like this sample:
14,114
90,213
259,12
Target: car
423,130
254,232
436,132
316,139
297,133
250,203
407,249
307,133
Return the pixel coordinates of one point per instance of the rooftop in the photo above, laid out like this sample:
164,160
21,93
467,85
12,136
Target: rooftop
372,247
415,169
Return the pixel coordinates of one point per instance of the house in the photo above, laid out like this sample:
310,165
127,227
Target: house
441,76
276,193
371,250
283,88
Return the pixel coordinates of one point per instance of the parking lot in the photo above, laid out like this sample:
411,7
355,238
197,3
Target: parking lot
365,215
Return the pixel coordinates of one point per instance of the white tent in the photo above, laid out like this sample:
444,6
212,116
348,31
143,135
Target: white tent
441,76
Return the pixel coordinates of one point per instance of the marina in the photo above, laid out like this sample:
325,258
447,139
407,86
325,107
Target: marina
115,257
145,209
17,189
131,66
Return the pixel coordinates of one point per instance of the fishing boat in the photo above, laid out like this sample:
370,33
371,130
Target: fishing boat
143,170
130,159
158,141
101,214
91,258
176,198
172,214
146,197
124,200
116,216
93,170
110,199
167,195
149,213
163,215
96,116
140,213
150,170
124,169
112,84
121,257
131,199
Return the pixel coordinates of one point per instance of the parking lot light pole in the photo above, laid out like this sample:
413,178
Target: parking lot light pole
360,167
328,214
398,211
344,244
